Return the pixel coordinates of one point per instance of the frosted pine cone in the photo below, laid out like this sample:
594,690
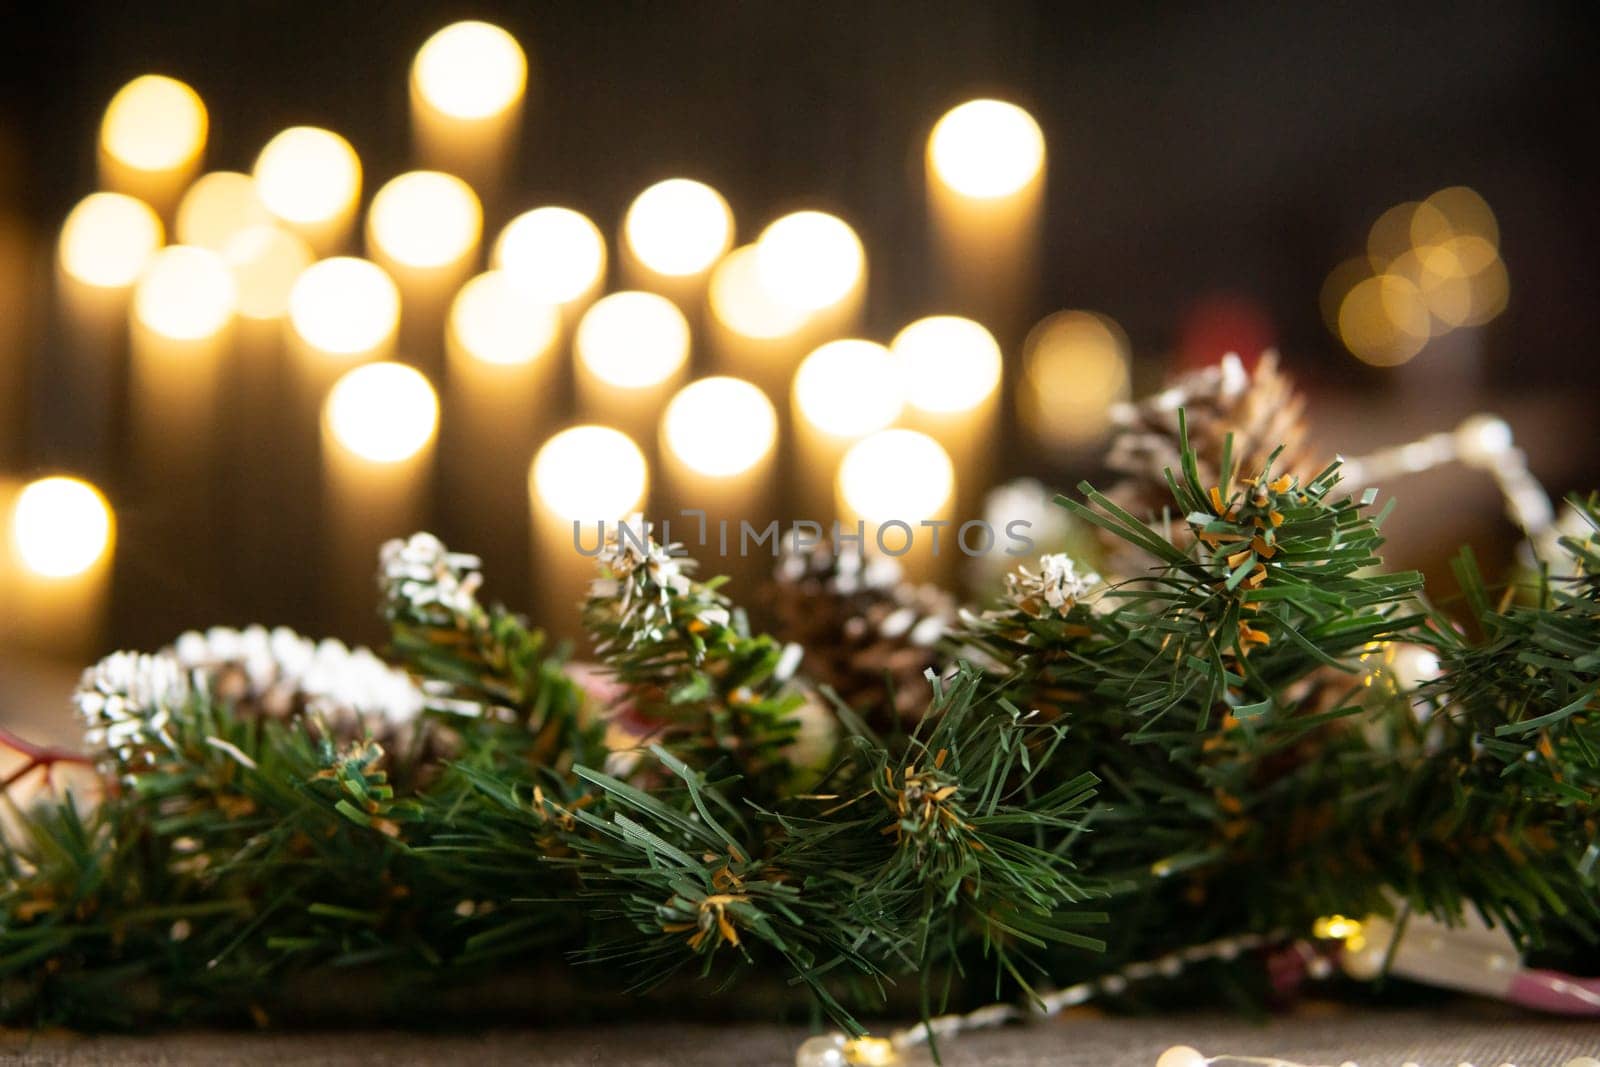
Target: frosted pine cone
1260,408
867,634
128,700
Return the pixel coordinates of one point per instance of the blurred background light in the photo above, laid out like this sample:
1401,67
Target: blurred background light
987,148
108,239
1436,261
311,179
556,254
810,260
947,363
720,427
344,305
425,219
1075,368
218,206
1384,320
470,70
494,321
590,473
849,388
630,340
266,263
61,527
185,293
678,227
896,475
383,412
741,300
154,123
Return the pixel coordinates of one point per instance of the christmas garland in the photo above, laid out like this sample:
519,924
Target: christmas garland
1082,789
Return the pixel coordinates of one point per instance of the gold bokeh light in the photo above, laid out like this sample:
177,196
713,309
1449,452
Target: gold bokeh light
218,206
185,294
61,527
810,260
849,388
589,474
556,254
1432,266
678,227
345,305
424,219
494,322
154,123
719,427
382,412
1075,369
948,363
470,70
266,262
108,239
987,149
741,301
1384,321
308,176
633,340
896,475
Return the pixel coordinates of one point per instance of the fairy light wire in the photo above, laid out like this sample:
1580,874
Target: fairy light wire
1482,442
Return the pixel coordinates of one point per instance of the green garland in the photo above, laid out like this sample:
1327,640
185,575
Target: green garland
1106,772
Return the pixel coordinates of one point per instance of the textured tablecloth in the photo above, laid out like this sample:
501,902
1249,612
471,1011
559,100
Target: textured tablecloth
1476,1034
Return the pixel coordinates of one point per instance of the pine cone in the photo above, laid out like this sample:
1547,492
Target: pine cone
867,634
1260,408
126,700
348,692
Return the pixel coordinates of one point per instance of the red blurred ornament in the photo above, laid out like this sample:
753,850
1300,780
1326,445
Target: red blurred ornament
1221,323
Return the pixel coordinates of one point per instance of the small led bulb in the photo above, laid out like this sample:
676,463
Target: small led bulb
1482,439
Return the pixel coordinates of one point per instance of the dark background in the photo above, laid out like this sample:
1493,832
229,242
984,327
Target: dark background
1197,152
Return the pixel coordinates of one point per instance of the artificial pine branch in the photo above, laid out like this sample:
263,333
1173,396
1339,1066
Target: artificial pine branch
1213,748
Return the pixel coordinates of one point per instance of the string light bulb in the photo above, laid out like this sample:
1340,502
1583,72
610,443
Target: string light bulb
152,137
1481,440
556,254
719,427
218,206
810,260
345,306
108,239
470,70
948,363
185,294
382,412
495,323
986,149
678,227
425,219
266,262
1182,1056
310,179
849,388
61,527
587,474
